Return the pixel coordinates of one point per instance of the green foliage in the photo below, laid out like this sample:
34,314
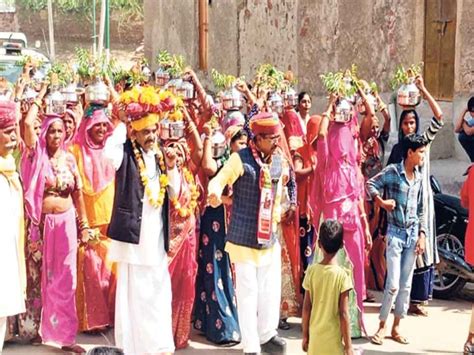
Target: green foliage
222,81
402,76
64,72
173,64
126,8
342,83
267,76
90,67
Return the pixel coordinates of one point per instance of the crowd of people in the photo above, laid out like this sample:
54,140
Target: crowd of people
153,213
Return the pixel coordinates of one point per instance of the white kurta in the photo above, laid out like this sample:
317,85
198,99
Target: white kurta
143,322
11,297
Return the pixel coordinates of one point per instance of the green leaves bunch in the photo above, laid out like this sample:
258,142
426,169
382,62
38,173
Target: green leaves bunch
335,82
90,67
269,77
222,81
64,73
402,76
173,64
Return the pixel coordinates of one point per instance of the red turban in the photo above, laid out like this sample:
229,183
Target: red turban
265,123
7,114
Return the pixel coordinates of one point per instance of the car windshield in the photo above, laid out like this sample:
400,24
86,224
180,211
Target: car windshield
10,70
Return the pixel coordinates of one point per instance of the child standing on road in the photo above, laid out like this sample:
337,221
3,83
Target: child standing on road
326,322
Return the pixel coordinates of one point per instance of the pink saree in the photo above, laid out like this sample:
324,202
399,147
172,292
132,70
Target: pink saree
182,266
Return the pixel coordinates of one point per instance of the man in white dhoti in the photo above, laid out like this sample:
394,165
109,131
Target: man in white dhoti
12,259
139,232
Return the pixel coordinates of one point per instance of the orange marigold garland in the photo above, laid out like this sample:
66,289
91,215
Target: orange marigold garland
184,211
158,200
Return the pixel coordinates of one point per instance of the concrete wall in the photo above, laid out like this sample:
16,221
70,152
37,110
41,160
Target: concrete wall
312,37
8,21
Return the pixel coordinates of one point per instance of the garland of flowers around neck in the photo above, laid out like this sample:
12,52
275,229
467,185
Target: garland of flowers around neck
154,201
187,211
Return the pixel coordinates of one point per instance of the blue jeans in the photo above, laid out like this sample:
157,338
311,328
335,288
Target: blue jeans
400,255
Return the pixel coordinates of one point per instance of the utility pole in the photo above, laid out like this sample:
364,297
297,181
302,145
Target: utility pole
102,27
107,29
94,29
51,30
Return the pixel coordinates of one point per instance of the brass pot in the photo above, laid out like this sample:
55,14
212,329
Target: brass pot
171,129
173,85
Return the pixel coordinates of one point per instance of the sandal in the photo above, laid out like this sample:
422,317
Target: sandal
417,310
376,339
369,298
74,348
400,339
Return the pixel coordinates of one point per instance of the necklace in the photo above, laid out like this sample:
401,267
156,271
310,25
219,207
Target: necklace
187,211
155,201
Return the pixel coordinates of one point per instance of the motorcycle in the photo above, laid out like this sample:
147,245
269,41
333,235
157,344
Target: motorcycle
452,272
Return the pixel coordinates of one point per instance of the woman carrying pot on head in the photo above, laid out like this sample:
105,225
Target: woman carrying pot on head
372,151
53,198
182,263
96,280
215,311
342,195
423,277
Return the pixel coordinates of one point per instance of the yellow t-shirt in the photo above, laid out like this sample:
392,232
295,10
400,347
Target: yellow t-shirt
325,283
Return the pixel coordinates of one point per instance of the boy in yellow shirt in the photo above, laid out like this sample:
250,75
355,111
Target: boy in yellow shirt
326,322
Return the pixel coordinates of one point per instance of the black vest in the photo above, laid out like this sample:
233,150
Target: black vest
128,202
243,224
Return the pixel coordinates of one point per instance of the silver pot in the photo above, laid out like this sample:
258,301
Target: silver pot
276,103
55,103
70,93
186,90
97,93
30,94
218,143
232,100
162,77
291,97
173,85
343,112
408,95
171,129
360,104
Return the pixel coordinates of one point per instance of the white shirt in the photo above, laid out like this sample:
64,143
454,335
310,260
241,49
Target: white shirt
11,297
150,250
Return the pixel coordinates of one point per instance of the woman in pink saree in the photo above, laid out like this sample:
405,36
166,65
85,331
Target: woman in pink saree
342,199
182,262
53,197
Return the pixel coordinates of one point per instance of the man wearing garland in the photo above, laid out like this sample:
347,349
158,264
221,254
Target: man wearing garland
139,229
257,174
12,258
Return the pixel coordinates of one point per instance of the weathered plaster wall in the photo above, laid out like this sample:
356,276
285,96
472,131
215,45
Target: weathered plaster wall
376,35
268,34
312,37
171,25
464,63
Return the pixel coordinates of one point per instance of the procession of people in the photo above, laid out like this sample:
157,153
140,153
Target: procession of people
148,205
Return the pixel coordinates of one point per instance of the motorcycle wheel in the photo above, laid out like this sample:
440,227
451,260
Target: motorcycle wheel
447,285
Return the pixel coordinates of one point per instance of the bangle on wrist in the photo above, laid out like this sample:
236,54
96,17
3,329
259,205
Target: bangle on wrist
37,103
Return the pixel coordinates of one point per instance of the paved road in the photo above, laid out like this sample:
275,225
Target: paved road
443,332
